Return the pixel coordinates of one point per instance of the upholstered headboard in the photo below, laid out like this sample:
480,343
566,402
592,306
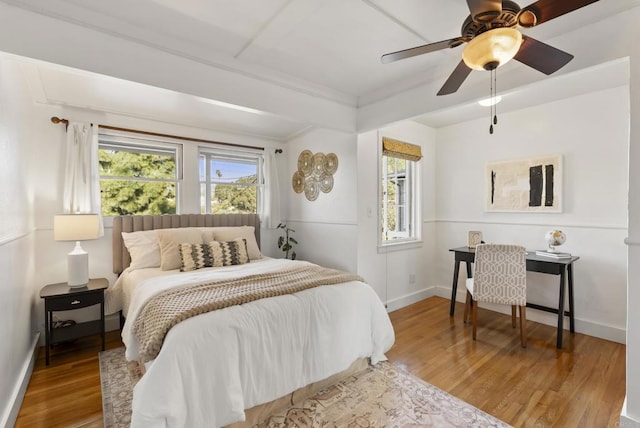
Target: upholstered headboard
121,257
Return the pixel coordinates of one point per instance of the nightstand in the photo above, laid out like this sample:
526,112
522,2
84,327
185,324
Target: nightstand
61,297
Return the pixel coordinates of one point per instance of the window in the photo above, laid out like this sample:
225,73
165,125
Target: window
230,181
399,202
138,177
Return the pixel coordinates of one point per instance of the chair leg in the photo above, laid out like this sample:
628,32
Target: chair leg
513,316
523,326
474,317
467,307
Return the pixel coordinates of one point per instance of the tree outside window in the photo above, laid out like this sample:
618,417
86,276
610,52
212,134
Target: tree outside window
230,183
394,188
137,179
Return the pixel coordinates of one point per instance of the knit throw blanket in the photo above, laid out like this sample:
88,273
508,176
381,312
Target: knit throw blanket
168,308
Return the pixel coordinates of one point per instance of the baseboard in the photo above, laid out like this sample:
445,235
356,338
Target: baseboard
590,328
625,420
10,412
408,299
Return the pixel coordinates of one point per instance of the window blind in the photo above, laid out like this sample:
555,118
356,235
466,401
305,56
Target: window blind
400,149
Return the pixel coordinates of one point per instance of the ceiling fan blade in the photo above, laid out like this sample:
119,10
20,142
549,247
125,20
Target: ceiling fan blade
455,79
484,10
541,56
419,50
546,10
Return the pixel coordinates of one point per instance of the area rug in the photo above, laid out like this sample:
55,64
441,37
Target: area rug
117,379
380,396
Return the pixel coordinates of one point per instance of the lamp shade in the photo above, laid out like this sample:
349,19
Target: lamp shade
76,227
491,49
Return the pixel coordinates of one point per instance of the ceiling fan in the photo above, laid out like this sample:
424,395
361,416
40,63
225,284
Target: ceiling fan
492,38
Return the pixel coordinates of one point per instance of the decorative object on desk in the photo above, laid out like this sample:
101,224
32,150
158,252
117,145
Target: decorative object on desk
286,242
555,238
553,254
314,174
525,185
475,238
77,227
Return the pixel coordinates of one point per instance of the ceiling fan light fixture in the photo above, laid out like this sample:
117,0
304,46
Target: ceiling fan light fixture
491,101
491,49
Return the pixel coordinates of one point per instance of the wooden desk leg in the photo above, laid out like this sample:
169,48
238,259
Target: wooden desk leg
572,323
560,310
102,332
454,287
469,274
48,319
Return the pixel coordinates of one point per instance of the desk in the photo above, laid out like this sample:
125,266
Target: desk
562,267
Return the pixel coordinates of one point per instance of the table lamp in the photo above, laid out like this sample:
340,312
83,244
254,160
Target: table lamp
77,227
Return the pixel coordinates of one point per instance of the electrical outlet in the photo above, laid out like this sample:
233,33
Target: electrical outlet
412,278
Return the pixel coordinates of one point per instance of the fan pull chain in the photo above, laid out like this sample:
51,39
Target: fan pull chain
491,101
495,96
493,112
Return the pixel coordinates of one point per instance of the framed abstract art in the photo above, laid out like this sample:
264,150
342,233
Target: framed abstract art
524,185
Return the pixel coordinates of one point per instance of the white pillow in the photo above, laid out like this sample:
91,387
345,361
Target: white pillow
246,232
207,233
169,241
143,248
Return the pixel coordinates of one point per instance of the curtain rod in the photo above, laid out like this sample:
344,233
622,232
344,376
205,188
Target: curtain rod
57,120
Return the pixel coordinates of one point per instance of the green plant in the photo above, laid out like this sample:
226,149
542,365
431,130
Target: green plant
286,242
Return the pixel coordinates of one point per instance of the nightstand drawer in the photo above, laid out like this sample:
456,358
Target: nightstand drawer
75,301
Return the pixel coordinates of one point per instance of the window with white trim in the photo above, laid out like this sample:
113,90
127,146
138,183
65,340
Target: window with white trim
399,201
231,181
138,176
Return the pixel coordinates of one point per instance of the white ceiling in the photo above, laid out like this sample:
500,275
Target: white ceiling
328,47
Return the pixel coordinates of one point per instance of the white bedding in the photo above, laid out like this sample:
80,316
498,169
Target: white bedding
215,365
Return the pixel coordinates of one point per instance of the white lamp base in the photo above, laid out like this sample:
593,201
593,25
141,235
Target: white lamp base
78,267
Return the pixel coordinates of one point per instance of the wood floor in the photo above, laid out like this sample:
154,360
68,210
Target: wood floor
581,385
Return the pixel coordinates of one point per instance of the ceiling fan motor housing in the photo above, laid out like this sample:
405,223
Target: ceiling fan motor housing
507,18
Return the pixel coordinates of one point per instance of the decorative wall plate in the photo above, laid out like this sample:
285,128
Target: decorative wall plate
297,182
318,164
305,163
311,189
326,183
330,163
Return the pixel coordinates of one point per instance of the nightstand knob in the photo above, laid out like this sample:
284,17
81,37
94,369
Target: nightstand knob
75,302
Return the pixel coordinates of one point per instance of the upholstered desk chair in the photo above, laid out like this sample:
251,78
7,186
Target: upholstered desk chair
500,276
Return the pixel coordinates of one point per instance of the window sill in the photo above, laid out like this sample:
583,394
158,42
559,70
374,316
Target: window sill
400,246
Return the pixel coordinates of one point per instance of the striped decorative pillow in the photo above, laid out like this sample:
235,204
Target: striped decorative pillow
229,253
213,254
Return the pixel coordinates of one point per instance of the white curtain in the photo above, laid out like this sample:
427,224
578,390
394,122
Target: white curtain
270,201
82,178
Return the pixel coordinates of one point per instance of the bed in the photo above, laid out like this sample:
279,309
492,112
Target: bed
235,363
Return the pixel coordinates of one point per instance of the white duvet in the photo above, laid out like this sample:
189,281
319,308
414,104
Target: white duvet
215,365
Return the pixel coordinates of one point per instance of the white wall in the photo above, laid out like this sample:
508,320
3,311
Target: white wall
17,295
325,228
591,134
631,411
390,272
